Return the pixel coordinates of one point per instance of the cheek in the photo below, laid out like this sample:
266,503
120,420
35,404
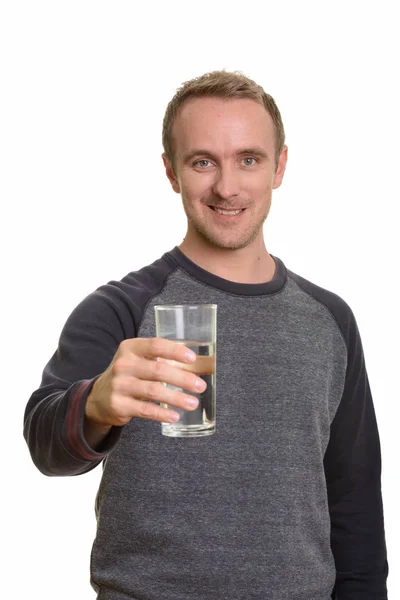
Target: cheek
264,188
257,183
196,187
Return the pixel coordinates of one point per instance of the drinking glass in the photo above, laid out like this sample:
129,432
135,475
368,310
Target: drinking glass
195,326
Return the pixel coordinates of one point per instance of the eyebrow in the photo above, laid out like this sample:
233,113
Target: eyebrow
260,152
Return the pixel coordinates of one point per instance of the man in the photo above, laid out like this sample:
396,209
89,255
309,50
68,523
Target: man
284,500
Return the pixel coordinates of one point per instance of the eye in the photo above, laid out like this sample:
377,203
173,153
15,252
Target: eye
248,158
200,163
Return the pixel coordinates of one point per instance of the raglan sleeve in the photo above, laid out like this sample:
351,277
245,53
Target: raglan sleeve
54,415
353,475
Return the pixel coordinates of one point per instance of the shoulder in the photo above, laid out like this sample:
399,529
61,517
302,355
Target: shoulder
335,304
136,287
121,303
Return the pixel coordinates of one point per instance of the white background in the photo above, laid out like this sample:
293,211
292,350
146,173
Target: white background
85,199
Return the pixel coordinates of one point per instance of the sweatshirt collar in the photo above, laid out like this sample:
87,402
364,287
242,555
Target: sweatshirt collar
243,289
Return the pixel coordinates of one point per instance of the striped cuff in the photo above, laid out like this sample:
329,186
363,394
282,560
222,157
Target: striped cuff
73,426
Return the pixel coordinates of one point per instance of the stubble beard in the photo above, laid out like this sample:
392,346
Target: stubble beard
213,240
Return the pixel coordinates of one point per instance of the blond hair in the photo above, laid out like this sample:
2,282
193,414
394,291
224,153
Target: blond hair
221,84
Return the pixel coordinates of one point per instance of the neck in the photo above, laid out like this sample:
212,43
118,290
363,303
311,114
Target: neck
252,264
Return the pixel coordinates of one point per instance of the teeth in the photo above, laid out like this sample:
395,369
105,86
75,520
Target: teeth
228,212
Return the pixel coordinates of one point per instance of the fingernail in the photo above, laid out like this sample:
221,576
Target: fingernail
173,417
190,356
200,385
191,402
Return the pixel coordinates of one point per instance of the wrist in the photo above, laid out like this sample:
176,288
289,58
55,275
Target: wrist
94,433
93,429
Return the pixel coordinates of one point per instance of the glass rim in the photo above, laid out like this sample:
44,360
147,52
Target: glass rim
185,306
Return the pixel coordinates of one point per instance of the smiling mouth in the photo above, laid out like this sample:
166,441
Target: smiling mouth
228,212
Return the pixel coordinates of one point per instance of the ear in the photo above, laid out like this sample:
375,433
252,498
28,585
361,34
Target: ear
170,174
280,171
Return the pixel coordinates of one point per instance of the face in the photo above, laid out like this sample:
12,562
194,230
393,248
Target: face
225,160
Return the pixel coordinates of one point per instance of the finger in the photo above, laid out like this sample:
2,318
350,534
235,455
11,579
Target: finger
153,390
159,347
131,407
204,365
166,371
151,370
153,412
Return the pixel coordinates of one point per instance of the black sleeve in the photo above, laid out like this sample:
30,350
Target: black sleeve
54,416
353,475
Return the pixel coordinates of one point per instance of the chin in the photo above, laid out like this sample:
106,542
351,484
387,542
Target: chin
232,246
227,244
211,238
232,243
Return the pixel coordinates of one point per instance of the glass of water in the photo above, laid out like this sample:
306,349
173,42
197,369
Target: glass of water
195,326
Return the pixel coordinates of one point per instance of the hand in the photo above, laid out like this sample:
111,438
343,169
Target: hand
136,376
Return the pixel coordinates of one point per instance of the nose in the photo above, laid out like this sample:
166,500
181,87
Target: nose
226,184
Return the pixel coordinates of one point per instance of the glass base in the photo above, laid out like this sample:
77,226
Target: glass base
185,431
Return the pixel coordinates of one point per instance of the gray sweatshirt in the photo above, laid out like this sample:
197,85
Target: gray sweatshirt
283,502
